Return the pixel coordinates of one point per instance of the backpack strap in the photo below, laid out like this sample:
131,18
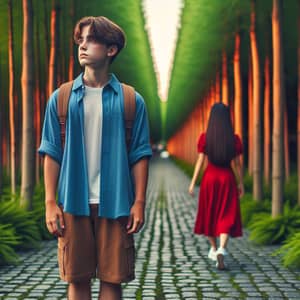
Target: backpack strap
64,93
129,109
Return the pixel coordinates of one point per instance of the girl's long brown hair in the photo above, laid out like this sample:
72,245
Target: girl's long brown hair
220,140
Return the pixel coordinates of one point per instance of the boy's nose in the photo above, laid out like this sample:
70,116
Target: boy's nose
82,45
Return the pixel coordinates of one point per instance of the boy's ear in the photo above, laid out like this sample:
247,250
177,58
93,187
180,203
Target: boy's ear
112,50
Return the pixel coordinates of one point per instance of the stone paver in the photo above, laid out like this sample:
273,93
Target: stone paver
171,261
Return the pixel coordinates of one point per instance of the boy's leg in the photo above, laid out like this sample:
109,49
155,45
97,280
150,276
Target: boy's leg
79,291
110,291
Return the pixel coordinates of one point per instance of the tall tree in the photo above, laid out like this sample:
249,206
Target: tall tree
27,84
38,98
298,118
257,159
218,88
278,106
267,123
52,81
250,119
225,93
11,99
71,44
1,137
238,100
286,144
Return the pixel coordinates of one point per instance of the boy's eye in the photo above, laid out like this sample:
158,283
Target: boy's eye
92,39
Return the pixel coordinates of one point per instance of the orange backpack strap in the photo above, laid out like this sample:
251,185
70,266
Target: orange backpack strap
64,93
129,109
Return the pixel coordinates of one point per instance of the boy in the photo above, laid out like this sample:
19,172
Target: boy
102,185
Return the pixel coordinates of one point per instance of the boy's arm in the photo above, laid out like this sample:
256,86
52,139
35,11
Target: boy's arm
197,169
54,216
140,176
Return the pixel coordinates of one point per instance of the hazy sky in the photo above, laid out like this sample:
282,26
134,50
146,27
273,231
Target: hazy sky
162,21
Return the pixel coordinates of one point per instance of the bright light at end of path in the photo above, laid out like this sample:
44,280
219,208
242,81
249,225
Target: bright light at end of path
162,24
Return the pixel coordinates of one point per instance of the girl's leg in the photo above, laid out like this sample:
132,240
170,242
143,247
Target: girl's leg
224,240
213,242
222,251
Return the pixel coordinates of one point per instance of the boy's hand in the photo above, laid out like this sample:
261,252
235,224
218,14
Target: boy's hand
136,218
54,219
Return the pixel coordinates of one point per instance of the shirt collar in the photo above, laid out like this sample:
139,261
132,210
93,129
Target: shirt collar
113,83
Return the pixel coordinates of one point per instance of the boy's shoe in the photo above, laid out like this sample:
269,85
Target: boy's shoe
212,254
220,253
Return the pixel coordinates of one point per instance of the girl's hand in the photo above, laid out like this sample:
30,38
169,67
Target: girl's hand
191,190
241,189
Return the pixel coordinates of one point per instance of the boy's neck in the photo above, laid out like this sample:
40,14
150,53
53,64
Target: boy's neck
95,78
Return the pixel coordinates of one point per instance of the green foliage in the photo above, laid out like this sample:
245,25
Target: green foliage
8,241
290,251
266,230
248,183
22,221
39,212
291,190
250,208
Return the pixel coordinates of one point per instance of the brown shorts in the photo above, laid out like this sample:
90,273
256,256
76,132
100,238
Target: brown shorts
96,247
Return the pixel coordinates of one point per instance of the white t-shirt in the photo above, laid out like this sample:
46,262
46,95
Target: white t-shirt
92,106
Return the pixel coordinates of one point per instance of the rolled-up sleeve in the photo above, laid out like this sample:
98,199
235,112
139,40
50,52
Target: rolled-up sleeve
51,139
140,143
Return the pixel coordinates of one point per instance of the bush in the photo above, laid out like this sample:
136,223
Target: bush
8,240
39,212
250,208
22,221
248,183
291,190
266,230
290,251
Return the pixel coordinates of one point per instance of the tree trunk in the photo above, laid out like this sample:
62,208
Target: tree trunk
71,47
286,145
278,101
238,98
27,84
250,120
225,98
298,118
257,159
218,88
267,123
1,137
11,101
54,46
37,106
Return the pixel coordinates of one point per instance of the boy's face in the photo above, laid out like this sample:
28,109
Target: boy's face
91,52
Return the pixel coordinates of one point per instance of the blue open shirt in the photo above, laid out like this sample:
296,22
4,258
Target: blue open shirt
116,184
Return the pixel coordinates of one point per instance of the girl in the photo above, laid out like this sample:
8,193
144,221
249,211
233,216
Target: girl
218,208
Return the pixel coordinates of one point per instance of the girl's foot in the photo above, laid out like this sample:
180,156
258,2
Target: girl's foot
220,253
212,254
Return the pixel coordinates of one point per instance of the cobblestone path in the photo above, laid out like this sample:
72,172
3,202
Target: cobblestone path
171,262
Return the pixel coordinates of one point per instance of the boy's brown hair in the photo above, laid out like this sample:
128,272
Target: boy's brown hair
103,31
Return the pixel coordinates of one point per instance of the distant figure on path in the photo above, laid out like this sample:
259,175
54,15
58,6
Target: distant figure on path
218,208
101,178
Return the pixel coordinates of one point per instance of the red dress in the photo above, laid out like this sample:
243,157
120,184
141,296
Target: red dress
218,207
